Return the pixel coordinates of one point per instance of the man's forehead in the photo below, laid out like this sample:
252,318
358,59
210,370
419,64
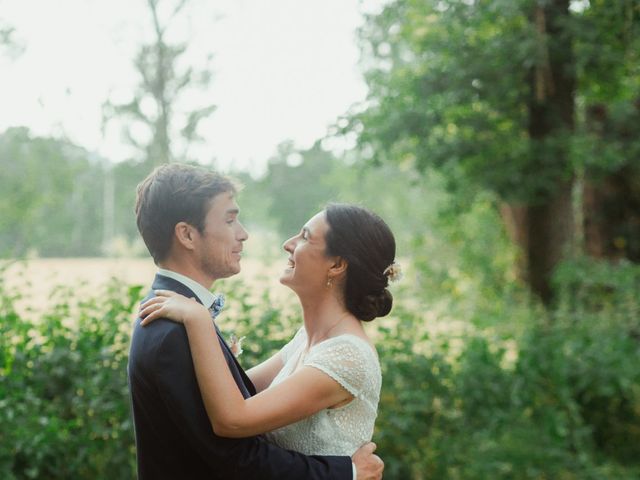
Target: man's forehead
224,203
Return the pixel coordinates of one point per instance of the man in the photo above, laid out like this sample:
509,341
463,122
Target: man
188,218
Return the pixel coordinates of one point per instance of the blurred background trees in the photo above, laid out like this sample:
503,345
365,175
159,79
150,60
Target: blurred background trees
9,44
51,203
157,121
532,106
500,140
515,97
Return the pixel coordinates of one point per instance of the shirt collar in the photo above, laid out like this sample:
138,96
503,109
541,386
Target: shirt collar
205,296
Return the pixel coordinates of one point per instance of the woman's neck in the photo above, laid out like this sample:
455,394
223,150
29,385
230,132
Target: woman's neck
324,318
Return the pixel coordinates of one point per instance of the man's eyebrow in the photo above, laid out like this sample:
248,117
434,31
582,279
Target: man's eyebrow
306,230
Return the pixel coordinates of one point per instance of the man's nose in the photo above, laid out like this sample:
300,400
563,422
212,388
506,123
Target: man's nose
243,234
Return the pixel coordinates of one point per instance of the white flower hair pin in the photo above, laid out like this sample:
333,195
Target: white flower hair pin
235,345
393,272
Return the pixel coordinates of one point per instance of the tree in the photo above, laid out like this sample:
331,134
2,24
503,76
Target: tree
163,83
53,197
297,185
608,43
487,92
8,43
126,176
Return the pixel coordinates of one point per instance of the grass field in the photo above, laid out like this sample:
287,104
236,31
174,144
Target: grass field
37,280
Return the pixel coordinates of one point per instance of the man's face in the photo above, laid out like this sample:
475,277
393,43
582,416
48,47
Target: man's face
219,246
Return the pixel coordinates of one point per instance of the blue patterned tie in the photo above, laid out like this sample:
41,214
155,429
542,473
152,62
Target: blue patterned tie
216,306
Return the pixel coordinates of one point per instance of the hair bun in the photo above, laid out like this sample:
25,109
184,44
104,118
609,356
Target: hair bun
374,305
366,243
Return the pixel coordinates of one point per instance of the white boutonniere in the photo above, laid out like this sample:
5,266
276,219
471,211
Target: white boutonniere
235,345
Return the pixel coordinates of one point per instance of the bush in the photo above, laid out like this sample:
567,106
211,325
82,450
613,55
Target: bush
561,400
64,410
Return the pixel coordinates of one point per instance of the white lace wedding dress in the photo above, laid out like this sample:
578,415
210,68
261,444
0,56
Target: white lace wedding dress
352,362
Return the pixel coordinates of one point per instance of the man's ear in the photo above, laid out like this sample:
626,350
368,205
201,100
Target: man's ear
185,234
338,268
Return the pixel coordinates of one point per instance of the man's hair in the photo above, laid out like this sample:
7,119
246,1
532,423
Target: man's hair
171,194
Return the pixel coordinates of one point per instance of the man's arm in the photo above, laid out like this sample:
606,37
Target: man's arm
263,374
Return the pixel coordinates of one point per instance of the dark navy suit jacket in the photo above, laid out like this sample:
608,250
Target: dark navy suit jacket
174,438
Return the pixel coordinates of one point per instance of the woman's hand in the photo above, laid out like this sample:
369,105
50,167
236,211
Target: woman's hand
171,305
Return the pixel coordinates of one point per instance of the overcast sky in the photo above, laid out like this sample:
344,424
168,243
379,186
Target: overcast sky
283,69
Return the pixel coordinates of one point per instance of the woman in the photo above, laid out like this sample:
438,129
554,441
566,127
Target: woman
319,394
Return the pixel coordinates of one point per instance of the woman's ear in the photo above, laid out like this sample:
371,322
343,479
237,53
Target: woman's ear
338,268
184,235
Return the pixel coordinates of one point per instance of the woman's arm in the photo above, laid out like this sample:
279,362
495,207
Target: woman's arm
302,394
299,396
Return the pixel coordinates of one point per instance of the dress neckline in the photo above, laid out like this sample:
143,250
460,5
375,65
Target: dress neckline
370,347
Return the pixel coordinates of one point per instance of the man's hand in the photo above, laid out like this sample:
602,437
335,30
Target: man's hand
368,465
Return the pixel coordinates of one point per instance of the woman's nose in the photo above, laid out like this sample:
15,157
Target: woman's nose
288,245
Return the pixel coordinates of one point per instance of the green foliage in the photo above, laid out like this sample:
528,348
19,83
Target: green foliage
51,197
450,87
587,286
516,98
126,176
63,388
607,37
266,325
56,198
555,400
561,400
296,186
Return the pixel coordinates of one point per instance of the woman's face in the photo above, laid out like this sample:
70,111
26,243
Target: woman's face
308,265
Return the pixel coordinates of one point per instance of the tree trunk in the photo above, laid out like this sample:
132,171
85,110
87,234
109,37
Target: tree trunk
544,228
612,216
544,233
611,199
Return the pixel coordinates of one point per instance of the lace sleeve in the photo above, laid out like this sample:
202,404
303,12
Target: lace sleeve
350,361
290,348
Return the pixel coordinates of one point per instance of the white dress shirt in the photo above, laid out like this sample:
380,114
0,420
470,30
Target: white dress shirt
204,295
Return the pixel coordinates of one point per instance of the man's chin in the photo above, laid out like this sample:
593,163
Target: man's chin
234,270
230,272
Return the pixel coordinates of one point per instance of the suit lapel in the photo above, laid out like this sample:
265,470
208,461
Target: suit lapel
244,382
229,355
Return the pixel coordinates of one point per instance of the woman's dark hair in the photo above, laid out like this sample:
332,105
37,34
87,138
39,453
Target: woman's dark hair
175,193
365,241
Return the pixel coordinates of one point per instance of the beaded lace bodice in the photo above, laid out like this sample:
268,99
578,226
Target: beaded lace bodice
350,361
